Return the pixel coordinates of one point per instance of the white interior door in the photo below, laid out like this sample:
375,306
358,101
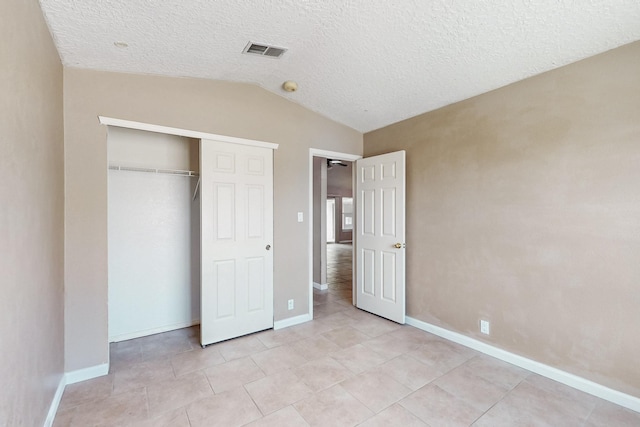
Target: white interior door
380,242
236,207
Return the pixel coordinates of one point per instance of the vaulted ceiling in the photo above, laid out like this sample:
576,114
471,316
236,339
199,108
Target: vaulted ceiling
364,63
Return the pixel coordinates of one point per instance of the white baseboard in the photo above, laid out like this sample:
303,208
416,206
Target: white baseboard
55,402
153,331
582,384
73,377
320,287
292,321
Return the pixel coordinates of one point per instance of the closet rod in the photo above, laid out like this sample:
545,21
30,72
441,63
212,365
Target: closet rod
154,170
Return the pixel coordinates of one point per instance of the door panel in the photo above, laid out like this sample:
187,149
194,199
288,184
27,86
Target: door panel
367,213
380,208
237,230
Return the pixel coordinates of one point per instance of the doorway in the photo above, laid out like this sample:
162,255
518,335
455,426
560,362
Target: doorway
153,233
331,260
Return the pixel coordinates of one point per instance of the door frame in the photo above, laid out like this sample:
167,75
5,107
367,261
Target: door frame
314,152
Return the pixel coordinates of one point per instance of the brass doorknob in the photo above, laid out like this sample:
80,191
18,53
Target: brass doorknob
398,245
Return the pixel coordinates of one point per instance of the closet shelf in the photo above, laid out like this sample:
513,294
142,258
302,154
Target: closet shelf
154,170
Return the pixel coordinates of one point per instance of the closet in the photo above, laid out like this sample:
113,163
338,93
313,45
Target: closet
153,233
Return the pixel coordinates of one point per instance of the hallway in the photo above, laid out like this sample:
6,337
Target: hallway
339,280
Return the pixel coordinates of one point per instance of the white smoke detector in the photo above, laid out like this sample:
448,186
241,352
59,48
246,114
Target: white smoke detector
290,86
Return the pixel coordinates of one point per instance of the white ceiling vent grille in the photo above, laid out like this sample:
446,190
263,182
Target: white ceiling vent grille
264,50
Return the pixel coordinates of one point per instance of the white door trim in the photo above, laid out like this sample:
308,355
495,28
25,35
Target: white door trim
314,152
109,121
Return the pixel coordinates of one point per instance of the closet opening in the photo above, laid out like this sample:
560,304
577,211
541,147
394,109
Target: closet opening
153,233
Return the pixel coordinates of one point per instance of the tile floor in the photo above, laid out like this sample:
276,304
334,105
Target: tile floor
344,368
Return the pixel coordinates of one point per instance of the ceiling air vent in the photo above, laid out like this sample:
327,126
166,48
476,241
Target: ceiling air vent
264,50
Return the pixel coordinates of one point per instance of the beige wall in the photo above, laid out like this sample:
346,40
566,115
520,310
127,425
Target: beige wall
209,106
320,220
340,180
524,209
137,148
31,216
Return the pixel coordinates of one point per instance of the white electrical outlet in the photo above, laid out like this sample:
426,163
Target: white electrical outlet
485,327
290,304
300,216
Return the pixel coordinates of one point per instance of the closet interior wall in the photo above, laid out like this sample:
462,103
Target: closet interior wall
153,233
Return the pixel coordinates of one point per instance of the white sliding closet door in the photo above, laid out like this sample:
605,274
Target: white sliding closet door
236,195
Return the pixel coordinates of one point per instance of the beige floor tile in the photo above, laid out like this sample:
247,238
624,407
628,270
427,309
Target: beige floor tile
607,414
390,346
315,347
361,315
141,375
174,393
192,332
166,347
324,310
169,369
176,418
505,415
394,416
322,373
358,358
463,383
240,347
127,407
497,371
583,402
320,297
285,417
277,391
409,372
87,391
436,407
132,344
278,359
375,390
334,321
374,326
273,338
341,293
338,284
312,328
196,359
230,375
346,302
124,356
527,403
333,407
443,356
336,295
229,409
345,336
64,417
415,336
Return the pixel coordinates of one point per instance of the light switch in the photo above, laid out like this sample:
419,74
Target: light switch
300,217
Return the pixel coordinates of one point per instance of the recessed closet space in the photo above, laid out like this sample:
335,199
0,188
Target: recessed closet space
153,232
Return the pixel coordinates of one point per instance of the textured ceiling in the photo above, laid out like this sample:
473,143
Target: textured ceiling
364,63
